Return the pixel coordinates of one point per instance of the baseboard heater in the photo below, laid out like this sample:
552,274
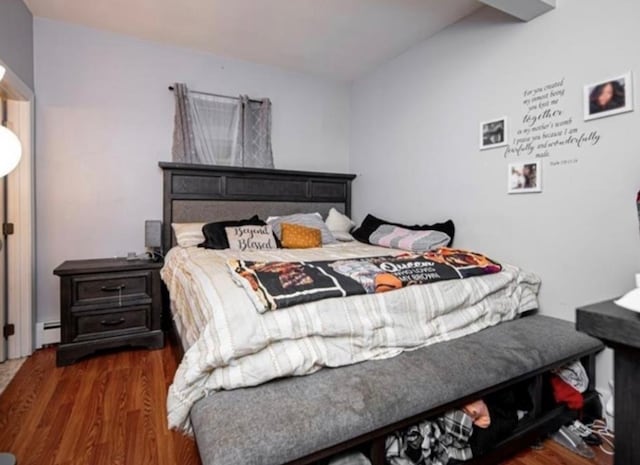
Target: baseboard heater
47,332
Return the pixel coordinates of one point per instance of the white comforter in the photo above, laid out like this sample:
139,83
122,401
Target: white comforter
231,345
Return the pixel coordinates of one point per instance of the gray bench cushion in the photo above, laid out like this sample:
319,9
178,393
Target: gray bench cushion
287,419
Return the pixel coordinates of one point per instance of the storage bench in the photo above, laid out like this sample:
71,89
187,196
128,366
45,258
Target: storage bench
305,419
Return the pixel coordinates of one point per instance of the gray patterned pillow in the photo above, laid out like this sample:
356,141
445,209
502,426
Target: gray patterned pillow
405,239
311,220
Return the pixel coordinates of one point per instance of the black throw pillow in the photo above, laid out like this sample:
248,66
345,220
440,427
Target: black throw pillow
371,223
215,237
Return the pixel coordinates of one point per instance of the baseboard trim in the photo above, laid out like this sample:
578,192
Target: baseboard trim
47,332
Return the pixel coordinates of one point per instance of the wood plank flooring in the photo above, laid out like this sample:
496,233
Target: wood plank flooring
553,453
110,409
104,410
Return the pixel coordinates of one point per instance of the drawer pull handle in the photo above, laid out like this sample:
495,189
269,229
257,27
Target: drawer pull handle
113,288
112,322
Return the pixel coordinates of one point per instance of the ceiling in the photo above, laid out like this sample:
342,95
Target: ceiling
339,39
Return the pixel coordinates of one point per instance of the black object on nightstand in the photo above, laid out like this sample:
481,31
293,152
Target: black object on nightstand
619,328
108,303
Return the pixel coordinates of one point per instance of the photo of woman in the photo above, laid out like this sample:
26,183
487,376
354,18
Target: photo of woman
524,177
608,97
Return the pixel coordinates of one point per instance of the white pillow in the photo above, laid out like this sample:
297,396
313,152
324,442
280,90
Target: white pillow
339,225
188,234
250,237
342,236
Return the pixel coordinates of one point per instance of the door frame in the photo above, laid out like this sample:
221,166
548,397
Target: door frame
21,211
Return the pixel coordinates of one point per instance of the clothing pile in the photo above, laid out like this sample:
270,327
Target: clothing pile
569,383
459,435
503,408
432,442
478,427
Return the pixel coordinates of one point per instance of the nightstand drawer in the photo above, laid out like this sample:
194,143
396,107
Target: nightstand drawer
93,325
110,288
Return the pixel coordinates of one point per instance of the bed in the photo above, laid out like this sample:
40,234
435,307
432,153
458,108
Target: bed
243,357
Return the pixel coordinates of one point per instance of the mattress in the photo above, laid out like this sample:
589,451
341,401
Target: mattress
229,345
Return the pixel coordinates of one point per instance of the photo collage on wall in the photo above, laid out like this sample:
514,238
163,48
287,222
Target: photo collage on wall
606,97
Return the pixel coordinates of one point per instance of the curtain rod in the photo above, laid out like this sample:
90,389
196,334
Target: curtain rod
218,95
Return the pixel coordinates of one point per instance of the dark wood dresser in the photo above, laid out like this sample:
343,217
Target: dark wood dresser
619,328
108,303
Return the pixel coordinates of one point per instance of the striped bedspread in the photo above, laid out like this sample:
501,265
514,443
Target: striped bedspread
230,345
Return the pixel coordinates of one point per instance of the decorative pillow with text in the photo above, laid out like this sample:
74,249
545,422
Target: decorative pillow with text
250,237
215,236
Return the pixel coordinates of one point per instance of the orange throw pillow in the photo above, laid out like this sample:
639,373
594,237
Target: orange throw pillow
295,236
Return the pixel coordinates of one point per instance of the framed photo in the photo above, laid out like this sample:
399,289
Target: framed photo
493,133
608,97
524,177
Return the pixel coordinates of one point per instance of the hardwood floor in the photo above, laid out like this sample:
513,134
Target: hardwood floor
104,410
110,409
554,454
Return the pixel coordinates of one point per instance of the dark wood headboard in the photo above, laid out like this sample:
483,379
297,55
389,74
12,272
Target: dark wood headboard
194,193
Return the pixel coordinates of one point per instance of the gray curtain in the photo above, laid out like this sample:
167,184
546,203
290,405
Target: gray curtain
183,149
256,133
216,130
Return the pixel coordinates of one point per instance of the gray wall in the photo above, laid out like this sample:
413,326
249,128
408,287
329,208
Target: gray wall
105,118
16,39
414,145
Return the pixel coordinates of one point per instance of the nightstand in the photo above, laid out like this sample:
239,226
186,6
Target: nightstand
108,303
619,328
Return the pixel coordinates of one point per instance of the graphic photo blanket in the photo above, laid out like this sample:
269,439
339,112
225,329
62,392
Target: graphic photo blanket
273,285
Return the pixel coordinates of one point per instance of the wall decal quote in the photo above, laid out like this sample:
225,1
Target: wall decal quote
546,126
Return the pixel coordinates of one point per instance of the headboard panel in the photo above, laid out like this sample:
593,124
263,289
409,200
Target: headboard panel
194,193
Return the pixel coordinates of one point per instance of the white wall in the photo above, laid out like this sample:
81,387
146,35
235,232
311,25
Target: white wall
105,120
414,145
